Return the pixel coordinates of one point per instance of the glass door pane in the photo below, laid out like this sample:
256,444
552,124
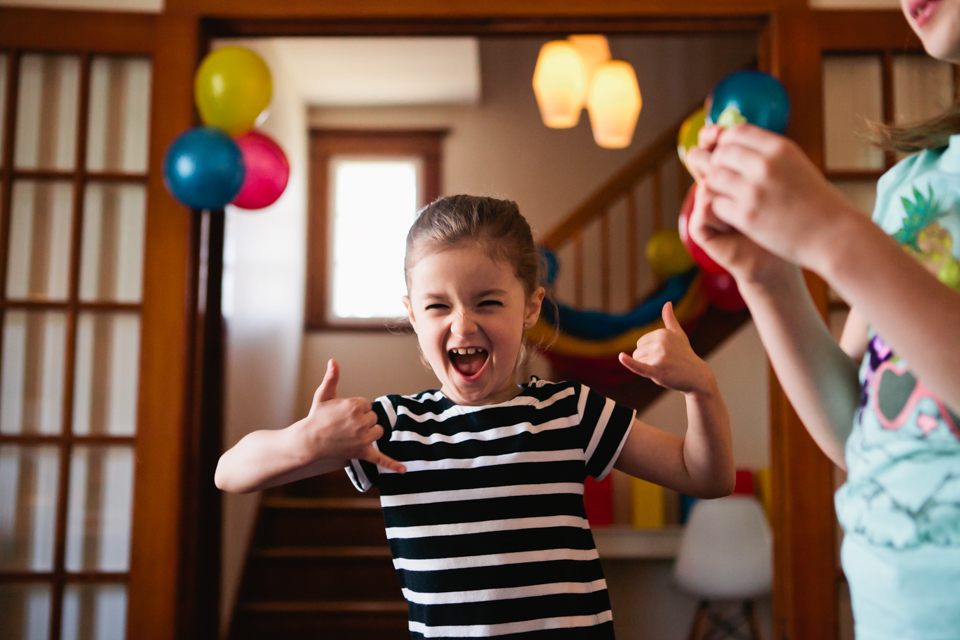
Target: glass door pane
94,612
46,130
40,231
119,113
98,516
28,482
852,95
24,612
111,263
31,384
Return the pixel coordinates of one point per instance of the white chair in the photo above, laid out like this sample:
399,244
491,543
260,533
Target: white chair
726,557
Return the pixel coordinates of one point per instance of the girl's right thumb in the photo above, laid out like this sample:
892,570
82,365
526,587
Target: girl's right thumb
328,387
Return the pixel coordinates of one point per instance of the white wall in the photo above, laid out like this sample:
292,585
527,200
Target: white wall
263,304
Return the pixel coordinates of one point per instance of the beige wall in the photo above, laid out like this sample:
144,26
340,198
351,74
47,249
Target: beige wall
263,286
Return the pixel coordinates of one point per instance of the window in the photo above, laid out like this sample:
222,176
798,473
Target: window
366,187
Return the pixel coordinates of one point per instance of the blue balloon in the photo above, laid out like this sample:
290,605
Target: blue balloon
203,168
758,96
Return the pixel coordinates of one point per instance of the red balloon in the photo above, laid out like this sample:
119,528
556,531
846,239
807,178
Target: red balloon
699,255
721,290
267,171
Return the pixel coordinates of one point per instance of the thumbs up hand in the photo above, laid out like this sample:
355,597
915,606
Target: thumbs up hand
666,357
343,428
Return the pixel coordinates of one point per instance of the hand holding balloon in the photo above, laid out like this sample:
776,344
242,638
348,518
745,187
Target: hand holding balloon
763,185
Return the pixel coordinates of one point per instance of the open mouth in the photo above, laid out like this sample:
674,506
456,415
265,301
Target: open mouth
468,361
921,10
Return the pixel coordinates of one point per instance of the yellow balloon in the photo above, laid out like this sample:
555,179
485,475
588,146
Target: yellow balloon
667,255
232,88
689,130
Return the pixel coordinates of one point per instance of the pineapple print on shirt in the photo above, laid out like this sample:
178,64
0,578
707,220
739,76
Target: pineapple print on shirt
924,238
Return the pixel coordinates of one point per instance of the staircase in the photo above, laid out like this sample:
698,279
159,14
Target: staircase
319,565
601,245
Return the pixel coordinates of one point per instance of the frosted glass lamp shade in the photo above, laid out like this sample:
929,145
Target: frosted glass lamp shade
726,552
614,103
559,84
594,50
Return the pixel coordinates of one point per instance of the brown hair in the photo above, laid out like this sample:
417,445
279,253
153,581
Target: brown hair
496,225
910,138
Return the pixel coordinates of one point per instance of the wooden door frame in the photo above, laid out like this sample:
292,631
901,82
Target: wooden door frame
171,393
805,597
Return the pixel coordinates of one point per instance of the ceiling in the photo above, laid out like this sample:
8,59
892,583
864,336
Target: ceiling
382,71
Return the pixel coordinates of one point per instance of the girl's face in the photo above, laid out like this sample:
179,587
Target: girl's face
937,23
469,313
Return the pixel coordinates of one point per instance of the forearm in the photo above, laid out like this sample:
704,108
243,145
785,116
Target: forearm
916,314
269,458
819,379
707,446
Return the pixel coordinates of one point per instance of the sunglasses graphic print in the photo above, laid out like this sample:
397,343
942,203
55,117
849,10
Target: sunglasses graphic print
896,393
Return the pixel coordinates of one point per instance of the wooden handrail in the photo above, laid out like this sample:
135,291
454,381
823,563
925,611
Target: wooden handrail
601,200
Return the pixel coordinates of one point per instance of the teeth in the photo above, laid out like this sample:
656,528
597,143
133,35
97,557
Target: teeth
466,352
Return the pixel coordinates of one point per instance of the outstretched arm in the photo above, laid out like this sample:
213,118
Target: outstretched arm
335,431
700,463
764,186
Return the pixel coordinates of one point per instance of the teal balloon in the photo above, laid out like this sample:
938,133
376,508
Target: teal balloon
203,168
758,96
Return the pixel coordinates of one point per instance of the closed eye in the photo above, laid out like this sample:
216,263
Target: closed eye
436,305
487,303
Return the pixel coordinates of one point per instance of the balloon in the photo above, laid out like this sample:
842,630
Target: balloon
698,254
667,255
754,95
549,266
203,168
689,130
232,88
721,290
267,171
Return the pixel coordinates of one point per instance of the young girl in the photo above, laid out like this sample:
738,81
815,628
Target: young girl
762,211
481,482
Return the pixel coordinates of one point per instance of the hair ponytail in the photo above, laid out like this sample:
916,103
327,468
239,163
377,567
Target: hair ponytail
920,136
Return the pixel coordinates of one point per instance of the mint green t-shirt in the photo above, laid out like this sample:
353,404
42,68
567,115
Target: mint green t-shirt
900,506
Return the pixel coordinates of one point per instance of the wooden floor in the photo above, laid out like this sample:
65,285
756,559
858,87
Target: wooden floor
320,567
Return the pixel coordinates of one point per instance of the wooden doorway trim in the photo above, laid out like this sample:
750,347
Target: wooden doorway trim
168,390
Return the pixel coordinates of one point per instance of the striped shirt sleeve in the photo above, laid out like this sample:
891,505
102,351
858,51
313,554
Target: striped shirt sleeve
364,474
606,427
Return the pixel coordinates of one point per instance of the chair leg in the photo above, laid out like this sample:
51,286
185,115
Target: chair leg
700,621
753,619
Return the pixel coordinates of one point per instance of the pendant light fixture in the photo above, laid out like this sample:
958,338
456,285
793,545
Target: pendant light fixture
560,84
614,103
594,50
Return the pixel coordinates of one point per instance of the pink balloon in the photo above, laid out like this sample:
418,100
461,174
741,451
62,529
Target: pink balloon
267,171
696,252
721,290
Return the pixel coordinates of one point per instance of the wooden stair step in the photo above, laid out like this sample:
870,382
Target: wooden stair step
335,484
331,504
328,606
313,619
322,552
321,577
320,522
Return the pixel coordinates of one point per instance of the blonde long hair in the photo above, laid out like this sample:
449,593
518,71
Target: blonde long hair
920,136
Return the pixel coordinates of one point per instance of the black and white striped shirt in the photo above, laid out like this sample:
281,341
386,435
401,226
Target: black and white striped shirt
487,528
